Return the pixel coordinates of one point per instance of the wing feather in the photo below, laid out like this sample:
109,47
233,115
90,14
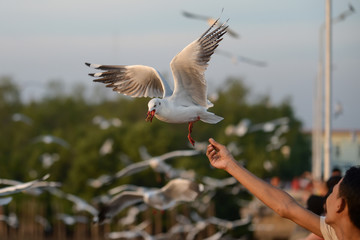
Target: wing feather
118,203
188,67
132,80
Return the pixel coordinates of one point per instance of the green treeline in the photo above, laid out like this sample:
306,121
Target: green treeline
70,117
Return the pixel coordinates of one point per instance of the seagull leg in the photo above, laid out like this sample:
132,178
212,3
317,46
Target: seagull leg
191,140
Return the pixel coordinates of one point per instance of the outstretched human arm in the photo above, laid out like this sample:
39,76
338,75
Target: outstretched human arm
275,198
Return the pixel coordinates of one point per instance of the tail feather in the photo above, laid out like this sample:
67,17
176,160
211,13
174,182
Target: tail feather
210,117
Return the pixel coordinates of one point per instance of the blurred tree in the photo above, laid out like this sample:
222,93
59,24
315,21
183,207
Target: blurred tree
70,116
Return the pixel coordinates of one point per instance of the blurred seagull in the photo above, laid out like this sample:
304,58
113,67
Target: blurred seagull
240,129
21,186
216,236
11,220
48,139
153,162
137,231
47,159
126,187
19,117
177,190
81,205
44,223
229,224
105,123
132,213
71,220
211,21
338,109
188,102
269,126
106,147
5,201
236,58
161,167
214,183
35,188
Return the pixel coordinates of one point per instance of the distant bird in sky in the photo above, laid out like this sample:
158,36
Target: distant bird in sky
237,58
176,190
210,21
338,109
188,102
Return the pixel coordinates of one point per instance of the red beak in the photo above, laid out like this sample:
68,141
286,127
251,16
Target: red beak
150,115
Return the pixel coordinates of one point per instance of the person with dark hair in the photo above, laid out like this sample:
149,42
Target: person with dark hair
315,203
342,220
336,172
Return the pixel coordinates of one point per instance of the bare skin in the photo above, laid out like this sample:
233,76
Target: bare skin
278,200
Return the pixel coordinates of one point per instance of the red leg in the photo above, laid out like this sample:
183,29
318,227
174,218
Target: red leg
191,140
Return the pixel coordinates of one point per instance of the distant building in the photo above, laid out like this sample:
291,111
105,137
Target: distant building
345,149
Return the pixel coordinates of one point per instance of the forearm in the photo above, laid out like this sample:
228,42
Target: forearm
278,200
271,196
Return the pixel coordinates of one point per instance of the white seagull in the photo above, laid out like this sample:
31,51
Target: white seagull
153,162
19,186
177,190
188,102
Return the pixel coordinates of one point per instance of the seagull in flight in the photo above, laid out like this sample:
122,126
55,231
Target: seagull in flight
176,190
187,102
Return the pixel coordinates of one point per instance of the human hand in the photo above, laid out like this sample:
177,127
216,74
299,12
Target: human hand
218,155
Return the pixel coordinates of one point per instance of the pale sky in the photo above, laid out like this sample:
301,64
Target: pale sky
44,40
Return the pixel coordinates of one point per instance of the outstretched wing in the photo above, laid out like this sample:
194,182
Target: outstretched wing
188,67
179,189
132,80
118,203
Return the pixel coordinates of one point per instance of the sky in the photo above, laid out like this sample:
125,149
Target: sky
43,41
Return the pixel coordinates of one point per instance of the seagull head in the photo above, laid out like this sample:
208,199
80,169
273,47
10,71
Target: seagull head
153,106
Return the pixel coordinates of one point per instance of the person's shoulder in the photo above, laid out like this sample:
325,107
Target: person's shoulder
327,231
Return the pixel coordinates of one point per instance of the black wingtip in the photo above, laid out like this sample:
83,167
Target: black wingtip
101,217
88,64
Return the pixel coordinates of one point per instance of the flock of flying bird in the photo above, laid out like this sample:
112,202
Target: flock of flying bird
183,186
134,198
186,103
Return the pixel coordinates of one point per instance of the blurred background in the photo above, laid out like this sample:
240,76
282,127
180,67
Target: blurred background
262,80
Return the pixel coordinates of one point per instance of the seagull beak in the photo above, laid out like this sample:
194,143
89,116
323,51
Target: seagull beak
150,115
